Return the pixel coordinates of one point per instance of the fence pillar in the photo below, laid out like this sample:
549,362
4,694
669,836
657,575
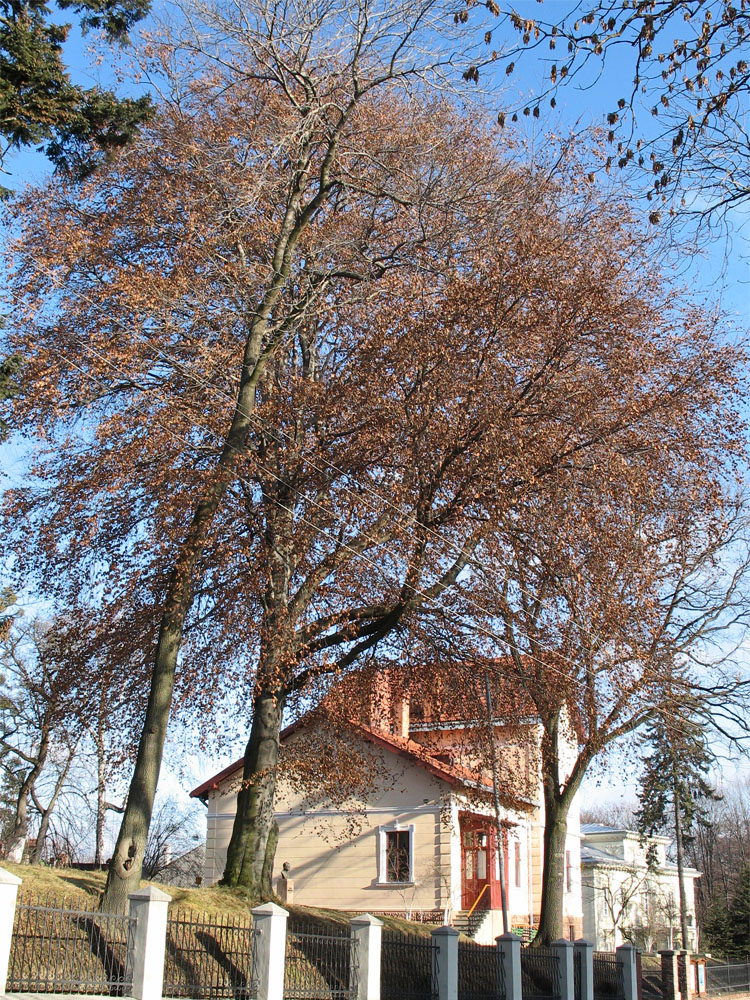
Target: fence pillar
149,908
8,892
669,981
269,950
586,951
564,951
626,957
366,931
683,974
509,947
445,963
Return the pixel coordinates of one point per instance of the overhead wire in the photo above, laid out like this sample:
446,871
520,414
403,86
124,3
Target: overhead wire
204,383
469,623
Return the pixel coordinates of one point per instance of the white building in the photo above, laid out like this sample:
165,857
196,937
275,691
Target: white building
630,891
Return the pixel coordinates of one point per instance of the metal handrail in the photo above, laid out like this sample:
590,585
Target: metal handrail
476,901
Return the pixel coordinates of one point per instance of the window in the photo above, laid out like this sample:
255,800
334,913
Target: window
518,864
396,855
568,872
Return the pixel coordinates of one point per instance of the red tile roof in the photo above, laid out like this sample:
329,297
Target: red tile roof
454,774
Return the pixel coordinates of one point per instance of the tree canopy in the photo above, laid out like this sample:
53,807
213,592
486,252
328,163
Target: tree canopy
682,74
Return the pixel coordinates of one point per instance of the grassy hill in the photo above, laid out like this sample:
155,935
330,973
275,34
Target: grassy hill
69,884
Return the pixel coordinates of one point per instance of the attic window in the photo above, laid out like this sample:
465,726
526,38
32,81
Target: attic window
396,855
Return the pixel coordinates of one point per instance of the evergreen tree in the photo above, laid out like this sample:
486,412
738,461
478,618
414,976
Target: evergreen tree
739,916
716,932
40,105
9,368
674,783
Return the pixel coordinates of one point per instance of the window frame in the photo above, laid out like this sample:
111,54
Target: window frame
383,832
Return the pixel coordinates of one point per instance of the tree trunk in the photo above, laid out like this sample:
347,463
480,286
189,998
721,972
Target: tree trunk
20,830
680,866
247,854
267,876
17,840
46,812
124,873
101,810
558,794
100,816
553,872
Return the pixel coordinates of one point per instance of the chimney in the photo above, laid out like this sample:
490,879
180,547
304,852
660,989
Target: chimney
401,720
380,703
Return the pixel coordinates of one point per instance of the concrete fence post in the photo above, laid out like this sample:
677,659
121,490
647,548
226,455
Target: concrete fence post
445,963
627,958
509,946
8,892
366,932
269,950
564,951
149,909
586,950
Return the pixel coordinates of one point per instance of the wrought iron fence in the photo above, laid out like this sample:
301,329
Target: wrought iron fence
608,978
481,973
540,974
577,973
406,962
730,978
69,947
321,966
209,957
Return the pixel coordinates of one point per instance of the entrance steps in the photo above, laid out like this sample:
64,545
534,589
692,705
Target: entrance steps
469,925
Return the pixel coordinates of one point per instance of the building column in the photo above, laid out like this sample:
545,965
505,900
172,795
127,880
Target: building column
669,981
684,979
586,950
509,946
8,894
626,958
269,950
564,951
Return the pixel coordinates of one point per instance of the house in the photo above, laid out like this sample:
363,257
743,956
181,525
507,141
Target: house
631,890
421,839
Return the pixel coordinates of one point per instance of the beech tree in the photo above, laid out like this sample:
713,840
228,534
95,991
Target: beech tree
682,84
235,338
596,617
298,166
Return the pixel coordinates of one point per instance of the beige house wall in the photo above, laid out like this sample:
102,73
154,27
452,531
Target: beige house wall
333,856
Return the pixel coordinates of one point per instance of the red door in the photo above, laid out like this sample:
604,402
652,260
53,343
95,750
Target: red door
477,853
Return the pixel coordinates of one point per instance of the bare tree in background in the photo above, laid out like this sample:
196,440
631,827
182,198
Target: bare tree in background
39,723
